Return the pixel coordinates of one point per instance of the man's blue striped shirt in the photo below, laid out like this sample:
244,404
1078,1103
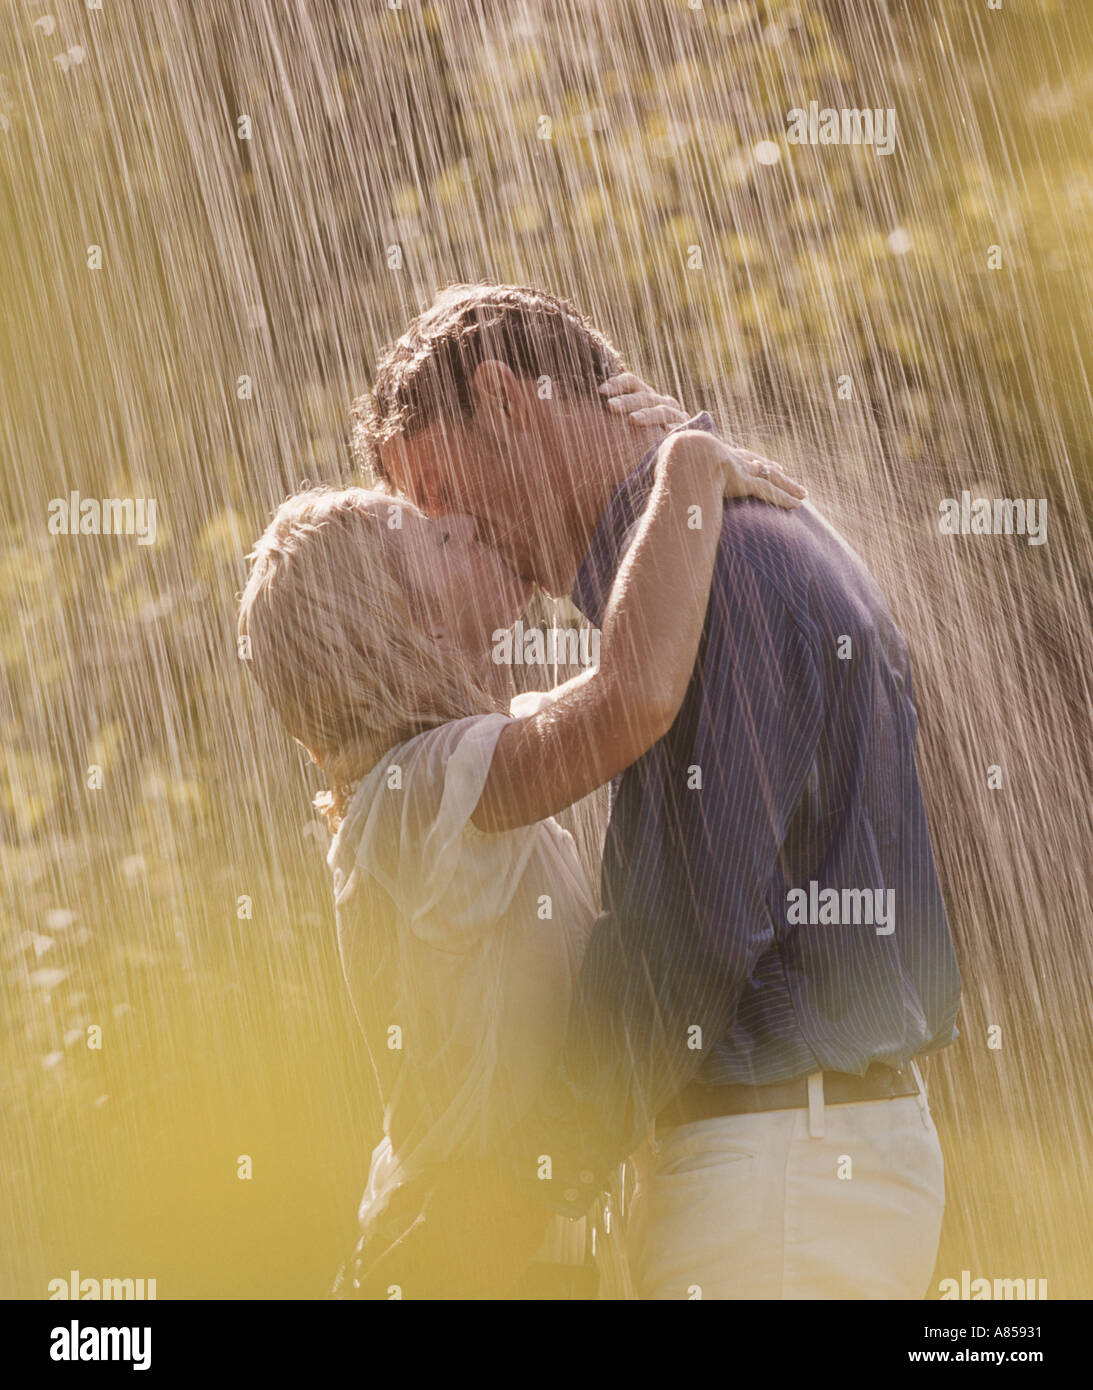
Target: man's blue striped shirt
789,772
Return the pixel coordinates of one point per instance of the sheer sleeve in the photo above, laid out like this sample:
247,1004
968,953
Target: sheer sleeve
449,881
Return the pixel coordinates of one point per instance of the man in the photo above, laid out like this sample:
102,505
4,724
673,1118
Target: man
773,952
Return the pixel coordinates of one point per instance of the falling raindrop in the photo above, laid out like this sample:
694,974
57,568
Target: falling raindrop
899,242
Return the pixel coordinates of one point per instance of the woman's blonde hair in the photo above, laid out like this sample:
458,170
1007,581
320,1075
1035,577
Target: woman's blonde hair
336,643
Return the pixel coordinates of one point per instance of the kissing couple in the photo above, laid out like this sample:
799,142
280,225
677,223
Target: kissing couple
665,1085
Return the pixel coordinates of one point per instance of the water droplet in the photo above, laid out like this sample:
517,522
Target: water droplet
899,242
47,979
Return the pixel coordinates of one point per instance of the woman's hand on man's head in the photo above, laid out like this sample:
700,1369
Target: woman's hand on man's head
641,403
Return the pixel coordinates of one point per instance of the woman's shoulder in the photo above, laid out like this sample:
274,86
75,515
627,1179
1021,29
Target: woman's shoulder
427,757
431,774
434,755
414,803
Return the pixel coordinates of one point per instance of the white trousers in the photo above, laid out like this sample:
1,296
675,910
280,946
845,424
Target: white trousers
840,1201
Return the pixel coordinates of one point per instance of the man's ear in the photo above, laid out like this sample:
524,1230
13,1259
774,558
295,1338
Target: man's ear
501,394
395,463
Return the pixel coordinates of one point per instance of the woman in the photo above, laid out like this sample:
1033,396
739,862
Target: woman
462,906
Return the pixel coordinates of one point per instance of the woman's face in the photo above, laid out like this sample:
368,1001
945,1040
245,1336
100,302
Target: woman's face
464,589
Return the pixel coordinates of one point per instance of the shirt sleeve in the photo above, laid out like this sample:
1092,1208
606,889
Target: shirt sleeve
449,881
665,967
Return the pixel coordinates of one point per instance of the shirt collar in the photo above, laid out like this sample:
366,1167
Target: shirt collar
603,557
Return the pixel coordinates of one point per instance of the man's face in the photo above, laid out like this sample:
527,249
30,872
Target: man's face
454,467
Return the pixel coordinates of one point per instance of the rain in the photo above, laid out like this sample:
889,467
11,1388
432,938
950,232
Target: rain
214,217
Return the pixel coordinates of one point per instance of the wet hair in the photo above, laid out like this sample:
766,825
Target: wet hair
426,375
336,642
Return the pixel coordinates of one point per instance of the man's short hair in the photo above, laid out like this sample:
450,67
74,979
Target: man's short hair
426,376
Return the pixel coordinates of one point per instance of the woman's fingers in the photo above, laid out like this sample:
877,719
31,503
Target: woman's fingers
760,477
658,415
637,400
627,392
626,383
781,491
619,385
628,395
644,406
775,474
